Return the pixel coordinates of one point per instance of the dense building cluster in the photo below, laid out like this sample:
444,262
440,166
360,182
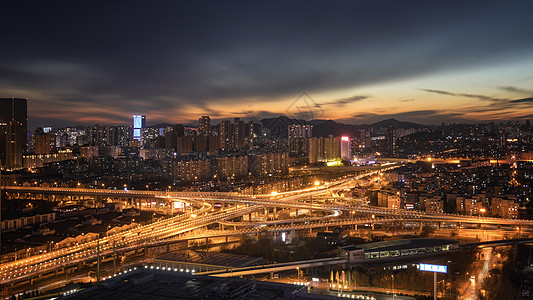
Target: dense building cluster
499,190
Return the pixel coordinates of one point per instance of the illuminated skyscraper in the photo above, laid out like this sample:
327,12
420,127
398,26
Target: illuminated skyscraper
13,131
139,122
345,148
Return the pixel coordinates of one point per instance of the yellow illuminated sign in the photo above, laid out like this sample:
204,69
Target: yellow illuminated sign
334,163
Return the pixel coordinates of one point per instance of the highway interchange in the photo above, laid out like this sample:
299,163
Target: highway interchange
341,212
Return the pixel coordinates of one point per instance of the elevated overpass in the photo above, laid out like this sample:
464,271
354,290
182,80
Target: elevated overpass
278,267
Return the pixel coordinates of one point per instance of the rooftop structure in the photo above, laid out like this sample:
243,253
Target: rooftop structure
159,283
397,248
205,261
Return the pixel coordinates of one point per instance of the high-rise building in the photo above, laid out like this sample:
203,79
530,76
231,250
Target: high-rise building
139,122
332,148
392,141
238,133
13,131
314,150
45,143
232,166
205,125
224,134
250,130
269,164
345,148
298,139
191,170
324,149
300,131
172,134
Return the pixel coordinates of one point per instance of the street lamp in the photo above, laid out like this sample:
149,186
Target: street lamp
393,293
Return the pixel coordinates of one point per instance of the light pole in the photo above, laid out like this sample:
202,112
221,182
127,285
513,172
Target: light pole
482,210
98,260
114,258
393,293
317,183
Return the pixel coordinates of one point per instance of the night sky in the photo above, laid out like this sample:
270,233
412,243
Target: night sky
87,62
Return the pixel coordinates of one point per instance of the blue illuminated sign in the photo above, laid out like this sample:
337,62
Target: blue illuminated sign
433,268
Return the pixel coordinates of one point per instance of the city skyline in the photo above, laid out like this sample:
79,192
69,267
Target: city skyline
359,62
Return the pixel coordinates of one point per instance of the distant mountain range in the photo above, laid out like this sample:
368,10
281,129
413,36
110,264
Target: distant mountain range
322,128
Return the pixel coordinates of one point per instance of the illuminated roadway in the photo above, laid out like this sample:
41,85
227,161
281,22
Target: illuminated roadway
130,239
171,228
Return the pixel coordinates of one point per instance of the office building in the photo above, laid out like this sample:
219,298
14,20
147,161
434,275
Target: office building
13,131
139,122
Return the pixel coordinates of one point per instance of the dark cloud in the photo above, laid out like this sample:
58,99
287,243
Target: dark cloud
162,58
524,100
406,100
344,101
514,89
479,97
